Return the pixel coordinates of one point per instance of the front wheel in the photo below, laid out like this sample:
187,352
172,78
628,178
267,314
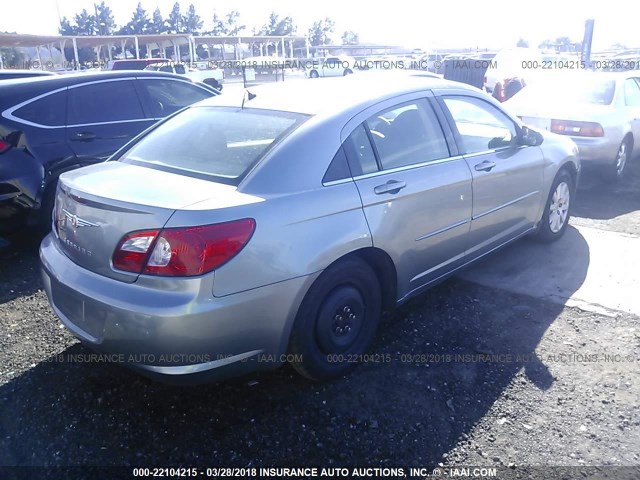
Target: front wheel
557,209
314,74
348,71
337,320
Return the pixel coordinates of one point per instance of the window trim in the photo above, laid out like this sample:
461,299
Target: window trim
454,127
9,112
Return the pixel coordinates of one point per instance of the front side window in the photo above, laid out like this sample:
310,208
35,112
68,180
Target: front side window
104,102
482,126
407,134
169,96
215,143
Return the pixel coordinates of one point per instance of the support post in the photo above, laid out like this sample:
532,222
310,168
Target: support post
75,53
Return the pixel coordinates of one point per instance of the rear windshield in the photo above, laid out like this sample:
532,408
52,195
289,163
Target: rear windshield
217,143
594,91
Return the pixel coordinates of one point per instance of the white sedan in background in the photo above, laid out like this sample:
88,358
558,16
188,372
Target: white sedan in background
599,111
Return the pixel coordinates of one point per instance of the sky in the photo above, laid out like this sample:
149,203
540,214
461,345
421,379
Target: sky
409,23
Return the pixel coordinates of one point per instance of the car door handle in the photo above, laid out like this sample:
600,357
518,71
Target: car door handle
392,187
84,136
485,166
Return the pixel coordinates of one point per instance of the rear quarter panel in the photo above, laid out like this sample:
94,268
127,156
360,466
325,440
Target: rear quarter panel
297,234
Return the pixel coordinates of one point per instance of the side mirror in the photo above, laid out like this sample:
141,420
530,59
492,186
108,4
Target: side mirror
529,137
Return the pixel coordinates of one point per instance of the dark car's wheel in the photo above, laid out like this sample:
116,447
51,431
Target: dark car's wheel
619,167
337,320
348,71
314,74
557,209
45,211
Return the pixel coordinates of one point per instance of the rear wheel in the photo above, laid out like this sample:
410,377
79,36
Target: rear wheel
348,71
314,74
619,167
45,213
337,320
557,209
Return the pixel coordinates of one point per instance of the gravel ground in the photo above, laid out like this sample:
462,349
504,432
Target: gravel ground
468,375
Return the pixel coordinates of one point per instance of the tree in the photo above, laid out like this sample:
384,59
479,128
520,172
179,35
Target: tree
12,57
278,26
219,27
66,28
350,38
522,43
85,23
192,21
319,32
157,24
139,23
175,20
105,25
233,23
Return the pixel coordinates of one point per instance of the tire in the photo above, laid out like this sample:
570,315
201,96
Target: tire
45,211
619,166
212,82
313,74
557,210
337,320
348,71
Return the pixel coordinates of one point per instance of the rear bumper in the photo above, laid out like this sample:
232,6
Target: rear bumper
597,150
170,334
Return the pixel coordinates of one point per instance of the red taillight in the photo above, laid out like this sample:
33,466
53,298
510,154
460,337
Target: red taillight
4,145
183,252
579,129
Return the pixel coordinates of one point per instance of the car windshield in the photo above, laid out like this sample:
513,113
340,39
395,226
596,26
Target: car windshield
594,91
215,143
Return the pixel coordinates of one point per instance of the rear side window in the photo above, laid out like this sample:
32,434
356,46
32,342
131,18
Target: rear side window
359,149
631,93
104,102
169,96
215,143
50,110
408,134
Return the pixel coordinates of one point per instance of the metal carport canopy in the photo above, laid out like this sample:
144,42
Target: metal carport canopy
161,40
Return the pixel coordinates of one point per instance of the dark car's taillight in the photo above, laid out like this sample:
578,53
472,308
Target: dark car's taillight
182,252
4,146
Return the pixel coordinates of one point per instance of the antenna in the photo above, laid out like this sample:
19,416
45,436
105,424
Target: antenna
248,96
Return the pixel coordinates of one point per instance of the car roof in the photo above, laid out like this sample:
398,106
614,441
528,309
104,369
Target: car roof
50,82
15,90
330,95
35,73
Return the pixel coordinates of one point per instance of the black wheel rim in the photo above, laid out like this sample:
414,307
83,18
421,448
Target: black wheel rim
340,319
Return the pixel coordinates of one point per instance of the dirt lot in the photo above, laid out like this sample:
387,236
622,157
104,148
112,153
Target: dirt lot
471,375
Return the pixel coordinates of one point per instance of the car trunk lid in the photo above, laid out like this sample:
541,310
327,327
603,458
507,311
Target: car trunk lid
98,205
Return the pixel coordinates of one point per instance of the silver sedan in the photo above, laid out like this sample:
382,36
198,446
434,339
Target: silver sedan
242,233
599,111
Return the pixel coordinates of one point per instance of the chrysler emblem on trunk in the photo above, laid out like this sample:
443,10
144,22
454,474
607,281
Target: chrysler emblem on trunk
77,222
